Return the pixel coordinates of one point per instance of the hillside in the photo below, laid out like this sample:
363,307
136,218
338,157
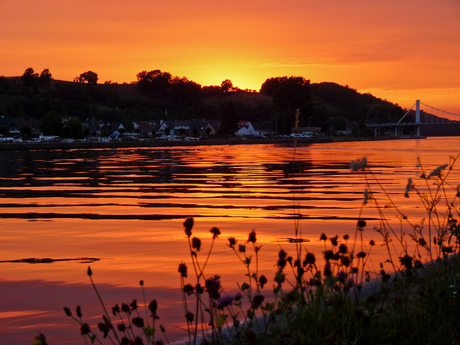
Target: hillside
322,105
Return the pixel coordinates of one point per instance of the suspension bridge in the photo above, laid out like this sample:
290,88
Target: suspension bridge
425,115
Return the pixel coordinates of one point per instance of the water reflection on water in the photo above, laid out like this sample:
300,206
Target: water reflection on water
125,207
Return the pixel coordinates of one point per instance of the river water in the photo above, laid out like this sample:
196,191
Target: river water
121,212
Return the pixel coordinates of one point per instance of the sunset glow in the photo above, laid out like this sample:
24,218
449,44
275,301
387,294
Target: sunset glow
399,51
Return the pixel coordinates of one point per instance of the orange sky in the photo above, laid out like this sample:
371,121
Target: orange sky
397,50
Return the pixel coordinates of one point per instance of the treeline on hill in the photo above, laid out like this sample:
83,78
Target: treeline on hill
157,95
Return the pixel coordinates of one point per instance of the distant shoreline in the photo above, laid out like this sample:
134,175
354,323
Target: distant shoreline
166,143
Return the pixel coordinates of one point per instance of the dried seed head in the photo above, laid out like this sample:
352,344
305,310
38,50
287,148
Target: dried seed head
103,328
281,263
85,329
134,305
79,314
406,261
189,317
124,308
343,249
231,242
361,255
188,289
188,226
262,281
328,255
215,232
334,240
213,288
183,270
257,301
153,307
199,289
361,224
252,236
138,322
196,243
310,259
67,311
345,261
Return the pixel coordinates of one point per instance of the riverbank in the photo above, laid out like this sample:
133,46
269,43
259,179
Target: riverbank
54,145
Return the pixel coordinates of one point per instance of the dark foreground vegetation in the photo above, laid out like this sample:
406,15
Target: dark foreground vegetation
51,107
328,298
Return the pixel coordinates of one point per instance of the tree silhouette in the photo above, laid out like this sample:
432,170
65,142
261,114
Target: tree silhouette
51,123
185,92
226,86
154,82
45,77
73,129
289,93
271,85
29,78
89,77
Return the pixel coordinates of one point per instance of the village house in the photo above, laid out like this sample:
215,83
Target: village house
256,129
205,128
189,128
11,126
146,128
175,128
245,128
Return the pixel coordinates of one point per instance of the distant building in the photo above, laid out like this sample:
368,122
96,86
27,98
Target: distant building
146,128
256,129
176,128
12,125
245,128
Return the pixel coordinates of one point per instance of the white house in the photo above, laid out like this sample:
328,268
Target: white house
245,128
176,127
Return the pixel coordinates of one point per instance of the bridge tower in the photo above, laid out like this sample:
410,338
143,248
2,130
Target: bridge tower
417,116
